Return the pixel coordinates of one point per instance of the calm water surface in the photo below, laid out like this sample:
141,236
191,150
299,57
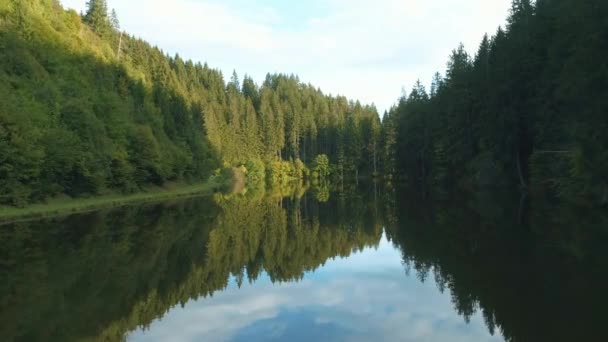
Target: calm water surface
366,296
360,265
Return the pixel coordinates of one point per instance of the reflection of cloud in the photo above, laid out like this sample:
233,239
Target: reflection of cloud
357,303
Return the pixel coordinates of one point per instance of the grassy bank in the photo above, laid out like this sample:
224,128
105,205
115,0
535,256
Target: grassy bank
65,206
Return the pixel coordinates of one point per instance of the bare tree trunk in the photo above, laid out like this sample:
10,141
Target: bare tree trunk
119,46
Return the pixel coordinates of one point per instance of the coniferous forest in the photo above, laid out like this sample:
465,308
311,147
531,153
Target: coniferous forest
529,110
88,109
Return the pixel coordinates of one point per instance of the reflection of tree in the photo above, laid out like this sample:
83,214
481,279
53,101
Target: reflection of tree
537,281
66,280
321,191
97,276
287,237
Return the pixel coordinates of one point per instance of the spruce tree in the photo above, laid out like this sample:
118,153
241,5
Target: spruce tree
97,16
114,20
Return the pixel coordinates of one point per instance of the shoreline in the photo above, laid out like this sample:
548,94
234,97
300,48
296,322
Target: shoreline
69,206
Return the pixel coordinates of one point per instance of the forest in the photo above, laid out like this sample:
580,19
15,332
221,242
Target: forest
528,111
89,110
493,182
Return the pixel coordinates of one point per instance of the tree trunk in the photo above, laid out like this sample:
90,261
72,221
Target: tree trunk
119,46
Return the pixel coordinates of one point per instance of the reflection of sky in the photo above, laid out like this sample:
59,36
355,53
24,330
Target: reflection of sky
361,298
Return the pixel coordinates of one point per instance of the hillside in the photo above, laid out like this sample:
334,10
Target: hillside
83,117
527,111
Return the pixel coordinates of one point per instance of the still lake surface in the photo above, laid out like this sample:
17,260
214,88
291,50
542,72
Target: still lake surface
360,265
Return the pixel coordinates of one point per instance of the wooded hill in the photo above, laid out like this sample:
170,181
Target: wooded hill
528,110
87,109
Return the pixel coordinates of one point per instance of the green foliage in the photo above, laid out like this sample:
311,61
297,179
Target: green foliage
160,256
527,110
256,171
485,240
320,167
97,16
281,172
284,119
108,112
75,121
321,191
73,256
300,170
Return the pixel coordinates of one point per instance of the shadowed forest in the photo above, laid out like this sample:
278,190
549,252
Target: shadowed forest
527,111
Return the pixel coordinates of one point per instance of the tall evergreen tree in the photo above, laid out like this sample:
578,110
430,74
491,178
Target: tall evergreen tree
96,16
527,110
114,22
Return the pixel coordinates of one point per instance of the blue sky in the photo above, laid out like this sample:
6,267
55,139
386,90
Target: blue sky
366,50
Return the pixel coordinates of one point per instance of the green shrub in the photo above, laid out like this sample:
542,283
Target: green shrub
281,172
320,167
256,171
300,170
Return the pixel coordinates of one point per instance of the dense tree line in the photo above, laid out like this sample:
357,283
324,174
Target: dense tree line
89,109
528,109
74,121
285,119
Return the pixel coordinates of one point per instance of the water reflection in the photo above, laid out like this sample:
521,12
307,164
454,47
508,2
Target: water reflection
361,298
537,279
291,264
96,276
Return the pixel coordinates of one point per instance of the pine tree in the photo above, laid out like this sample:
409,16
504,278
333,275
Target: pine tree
114,20
234,85
97,16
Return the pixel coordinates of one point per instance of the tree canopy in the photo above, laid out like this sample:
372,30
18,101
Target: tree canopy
527,110
90,110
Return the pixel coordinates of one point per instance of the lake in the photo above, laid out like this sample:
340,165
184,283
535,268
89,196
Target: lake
361,264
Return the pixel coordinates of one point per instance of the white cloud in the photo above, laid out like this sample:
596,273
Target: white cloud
351,296
366,50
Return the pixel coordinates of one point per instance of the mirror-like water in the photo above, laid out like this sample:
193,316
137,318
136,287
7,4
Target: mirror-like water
364,297
352,266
